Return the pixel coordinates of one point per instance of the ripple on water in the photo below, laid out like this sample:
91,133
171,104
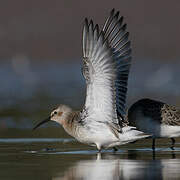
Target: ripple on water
35,140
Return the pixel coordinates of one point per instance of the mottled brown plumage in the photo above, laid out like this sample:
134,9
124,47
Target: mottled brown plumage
71,123
158,111
156,118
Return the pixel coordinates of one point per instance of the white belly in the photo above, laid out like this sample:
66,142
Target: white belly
99,136
150,126
170,131
103,137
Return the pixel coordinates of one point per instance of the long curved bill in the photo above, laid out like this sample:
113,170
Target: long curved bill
42,122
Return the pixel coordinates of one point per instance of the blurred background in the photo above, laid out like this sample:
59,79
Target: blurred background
41,52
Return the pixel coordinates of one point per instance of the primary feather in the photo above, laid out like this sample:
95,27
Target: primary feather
106,64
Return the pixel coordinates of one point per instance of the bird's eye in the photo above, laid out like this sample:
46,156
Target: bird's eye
55,112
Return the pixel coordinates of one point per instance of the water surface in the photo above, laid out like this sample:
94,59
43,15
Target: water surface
65,158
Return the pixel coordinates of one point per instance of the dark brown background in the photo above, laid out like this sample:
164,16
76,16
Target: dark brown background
40,47
51,29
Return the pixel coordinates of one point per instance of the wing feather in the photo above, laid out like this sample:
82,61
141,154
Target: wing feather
106,64
121,47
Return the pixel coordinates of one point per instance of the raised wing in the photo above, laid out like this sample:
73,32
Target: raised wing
106,62
117,37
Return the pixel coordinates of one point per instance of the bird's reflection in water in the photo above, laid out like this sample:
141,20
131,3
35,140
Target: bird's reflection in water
173,155
110,167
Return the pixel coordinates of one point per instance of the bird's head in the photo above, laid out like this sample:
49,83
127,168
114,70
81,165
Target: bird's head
60,115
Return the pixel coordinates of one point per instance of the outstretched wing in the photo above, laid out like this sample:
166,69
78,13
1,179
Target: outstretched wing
117,37
106,62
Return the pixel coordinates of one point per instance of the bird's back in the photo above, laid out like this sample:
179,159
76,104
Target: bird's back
155,110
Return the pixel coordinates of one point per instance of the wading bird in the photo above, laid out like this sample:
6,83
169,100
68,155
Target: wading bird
106,64
156,118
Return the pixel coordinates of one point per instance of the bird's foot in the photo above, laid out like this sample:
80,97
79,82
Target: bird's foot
115,149
173,143
153,145
49,149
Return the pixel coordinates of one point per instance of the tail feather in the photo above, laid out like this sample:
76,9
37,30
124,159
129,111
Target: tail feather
131,134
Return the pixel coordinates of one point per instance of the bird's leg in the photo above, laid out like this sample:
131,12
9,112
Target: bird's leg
173,155
115,149
98,156
173,142
99,148
153,144
154,155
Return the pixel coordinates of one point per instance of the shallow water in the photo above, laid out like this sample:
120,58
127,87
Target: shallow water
65,158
